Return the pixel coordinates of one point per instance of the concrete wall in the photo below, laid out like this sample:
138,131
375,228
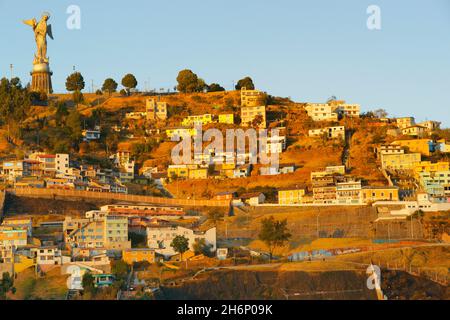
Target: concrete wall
51,193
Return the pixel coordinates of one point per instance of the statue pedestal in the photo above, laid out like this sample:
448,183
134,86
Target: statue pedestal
41,80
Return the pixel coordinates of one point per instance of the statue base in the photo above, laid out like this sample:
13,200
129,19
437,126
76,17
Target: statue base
41,78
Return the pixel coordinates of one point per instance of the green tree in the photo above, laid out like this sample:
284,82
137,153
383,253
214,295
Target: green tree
61,113
6,285
246,82
201,247
120,269
73,122
189,82
88,283
75,82
215,87
109,86
180,244
201,85
274,233
98,115
129,82
15,103
77,97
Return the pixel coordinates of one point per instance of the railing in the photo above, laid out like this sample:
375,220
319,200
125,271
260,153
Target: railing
38,192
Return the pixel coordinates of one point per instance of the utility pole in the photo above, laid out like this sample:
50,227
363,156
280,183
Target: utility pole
92,85
11,67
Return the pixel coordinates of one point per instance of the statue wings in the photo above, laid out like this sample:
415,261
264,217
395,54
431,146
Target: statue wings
31,22
49,31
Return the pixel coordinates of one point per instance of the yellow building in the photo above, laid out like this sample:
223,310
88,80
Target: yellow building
414,131
322,111
200,119
198,173
13,236
405,161
248,114
252,98
183,171
428,166
290,196
105,231
156,110
415,145
22,262
405,122
131,256
226,118
181,132
372,194
178,171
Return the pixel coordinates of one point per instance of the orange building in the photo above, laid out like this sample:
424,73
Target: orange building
131,256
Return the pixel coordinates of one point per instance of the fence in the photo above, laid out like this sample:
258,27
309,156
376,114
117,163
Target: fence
52,193
436,274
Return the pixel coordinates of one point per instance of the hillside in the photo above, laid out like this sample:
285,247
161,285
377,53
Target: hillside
46,129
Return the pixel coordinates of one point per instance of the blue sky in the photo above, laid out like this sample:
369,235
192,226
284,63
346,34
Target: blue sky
307,50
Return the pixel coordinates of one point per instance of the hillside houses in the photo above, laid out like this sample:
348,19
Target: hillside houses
329,132
332,110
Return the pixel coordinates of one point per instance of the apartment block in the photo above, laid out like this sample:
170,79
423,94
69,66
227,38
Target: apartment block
414,131
134,255
11,236
322,112
107,232
21,222
349,192
290,196
389,149
160,238
203,119
155,110
428,166
328,171
325,194
252,98
435,183
423,146
181,132
430,125
350,110
330,132
275,144
250,113
372,194
226,118
405,122
405,161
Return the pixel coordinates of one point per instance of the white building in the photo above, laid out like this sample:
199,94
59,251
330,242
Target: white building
330,132
322,112
350,110
90,135
275,144
160,238
253,199
49,256
62,163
